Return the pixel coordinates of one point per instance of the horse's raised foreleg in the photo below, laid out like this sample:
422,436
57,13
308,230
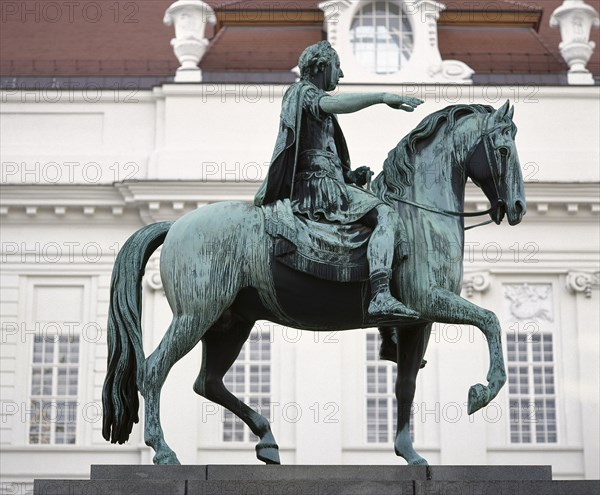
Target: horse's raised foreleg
221,346
410,352
181,337
447,307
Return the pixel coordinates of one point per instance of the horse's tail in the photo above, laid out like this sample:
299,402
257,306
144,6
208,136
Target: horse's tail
125,350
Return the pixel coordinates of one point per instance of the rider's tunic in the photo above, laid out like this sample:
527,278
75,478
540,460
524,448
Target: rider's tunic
320,190
310,171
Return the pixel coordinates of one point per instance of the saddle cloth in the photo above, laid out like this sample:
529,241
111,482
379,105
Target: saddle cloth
329,251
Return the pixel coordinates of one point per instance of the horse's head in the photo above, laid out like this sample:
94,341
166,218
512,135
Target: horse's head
494,166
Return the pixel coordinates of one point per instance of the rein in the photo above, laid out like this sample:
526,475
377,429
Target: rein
492,164
449,213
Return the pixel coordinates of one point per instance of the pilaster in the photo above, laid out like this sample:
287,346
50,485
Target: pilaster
584,287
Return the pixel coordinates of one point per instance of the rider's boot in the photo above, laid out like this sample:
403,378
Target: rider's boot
380,254
382,302
389,346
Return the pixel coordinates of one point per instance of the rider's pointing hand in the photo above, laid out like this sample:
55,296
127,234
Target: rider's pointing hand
398,102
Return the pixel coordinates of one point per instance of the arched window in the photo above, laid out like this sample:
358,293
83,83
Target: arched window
381,36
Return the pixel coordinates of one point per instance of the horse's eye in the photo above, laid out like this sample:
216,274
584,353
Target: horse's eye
503,151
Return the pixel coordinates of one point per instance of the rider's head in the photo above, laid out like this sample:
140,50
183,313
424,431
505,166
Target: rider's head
316,58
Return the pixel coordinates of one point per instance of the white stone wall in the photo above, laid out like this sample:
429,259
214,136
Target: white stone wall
82,171
216,132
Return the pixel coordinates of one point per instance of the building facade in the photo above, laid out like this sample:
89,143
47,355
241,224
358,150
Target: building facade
87,159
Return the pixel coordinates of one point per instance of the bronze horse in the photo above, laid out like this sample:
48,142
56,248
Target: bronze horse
220,276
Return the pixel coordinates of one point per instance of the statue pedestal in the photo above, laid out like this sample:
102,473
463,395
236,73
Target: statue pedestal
316,480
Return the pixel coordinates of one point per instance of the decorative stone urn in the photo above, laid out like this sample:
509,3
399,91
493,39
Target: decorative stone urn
190,18
575,19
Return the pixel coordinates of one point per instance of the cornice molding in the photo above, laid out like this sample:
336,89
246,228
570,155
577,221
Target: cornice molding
129,96
167,200
60,201
518,18
548,200
271,16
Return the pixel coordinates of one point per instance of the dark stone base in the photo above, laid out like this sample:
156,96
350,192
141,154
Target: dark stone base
317,480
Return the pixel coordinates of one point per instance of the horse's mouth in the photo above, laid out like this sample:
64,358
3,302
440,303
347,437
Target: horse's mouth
515,215
515,220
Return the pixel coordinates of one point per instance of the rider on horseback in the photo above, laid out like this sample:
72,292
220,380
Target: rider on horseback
311,167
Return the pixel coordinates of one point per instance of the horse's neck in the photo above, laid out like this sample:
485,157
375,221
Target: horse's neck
440,170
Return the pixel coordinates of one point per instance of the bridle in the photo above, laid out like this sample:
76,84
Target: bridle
492,162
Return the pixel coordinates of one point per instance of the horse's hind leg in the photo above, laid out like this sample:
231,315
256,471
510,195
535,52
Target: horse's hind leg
221,346
409,355
181,337
447,307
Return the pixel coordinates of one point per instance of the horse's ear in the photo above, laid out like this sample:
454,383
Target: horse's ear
511,112
502,112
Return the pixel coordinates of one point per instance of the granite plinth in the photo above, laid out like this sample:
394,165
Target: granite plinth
317,480
222,472
110,487
505,487
487,473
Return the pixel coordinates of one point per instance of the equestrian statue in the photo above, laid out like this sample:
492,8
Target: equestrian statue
319,251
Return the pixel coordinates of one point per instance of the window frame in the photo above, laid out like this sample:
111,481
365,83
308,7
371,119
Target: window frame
403,17
85,386
425,64
554,330
54,398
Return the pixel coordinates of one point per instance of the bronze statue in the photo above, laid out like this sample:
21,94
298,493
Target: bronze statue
299,260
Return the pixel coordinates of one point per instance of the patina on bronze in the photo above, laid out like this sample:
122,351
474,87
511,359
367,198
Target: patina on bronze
260,270
311,167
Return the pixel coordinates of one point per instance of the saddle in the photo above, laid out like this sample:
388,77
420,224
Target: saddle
330,251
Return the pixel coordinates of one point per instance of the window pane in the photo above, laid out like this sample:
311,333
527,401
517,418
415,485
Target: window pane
378,41
61,389
52,420
380,403
249,379
36,381
48,351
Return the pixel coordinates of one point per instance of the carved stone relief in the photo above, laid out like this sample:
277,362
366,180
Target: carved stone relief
529,302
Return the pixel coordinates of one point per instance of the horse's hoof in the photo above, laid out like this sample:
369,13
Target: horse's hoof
412,459
169,459
268,453
478,398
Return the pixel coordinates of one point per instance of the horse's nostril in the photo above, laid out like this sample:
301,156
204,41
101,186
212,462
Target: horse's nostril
520,207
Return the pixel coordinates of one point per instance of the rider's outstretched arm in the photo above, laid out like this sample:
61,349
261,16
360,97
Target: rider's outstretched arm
353,102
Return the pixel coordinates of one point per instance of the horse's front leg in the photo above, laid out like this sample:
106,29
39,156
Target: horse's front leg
409,354
446,307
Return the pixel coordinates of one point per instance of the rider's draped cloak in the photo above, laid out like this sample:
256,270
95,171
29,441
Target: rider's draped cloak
278,184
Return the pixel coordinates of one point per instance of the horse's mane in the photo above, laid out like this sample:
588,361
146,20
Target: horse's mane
398,168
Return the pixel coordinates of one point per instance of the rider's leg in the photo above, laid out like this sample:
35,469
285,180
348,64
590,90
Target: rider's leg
380,253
